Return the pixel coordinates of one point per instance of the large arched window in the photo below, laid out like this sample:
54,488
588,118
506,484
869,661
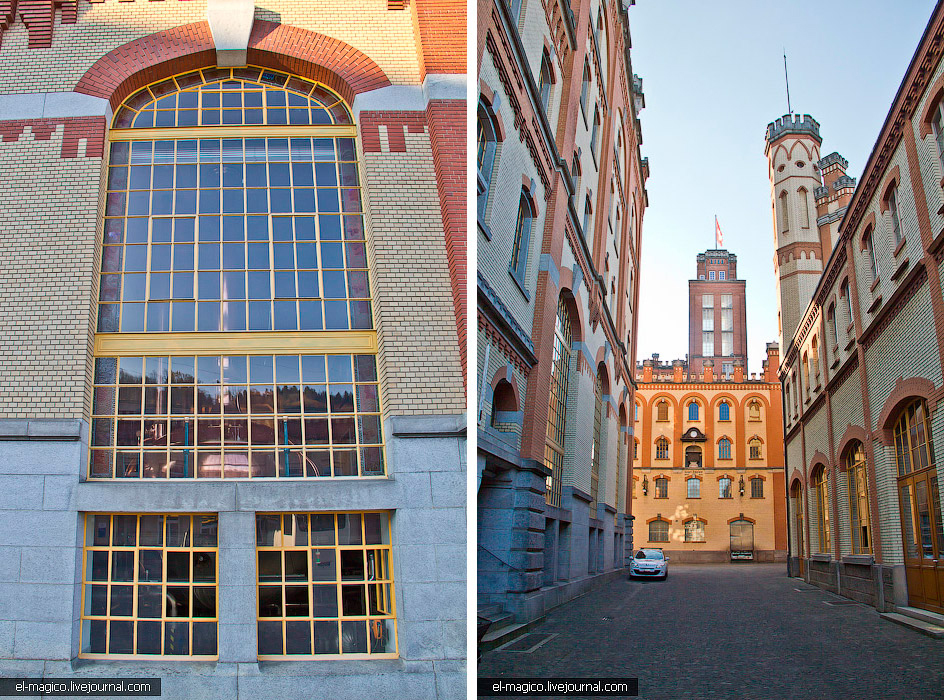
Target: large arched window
724,487
224,227
796,506
820,482
753,410
724,448
913,447
695,530
659,530
662,487
854,463
724,411
557,403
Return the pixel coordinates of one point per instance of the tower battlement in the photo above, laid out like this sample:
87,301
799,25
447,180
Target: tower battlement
793,124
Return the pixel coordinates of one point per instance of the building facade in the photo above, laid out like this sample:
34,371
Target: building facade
862,312
218,328
717,321
708,447
561,196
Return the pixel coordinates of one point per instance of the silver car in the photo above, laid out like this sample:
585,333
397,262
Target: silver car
649,562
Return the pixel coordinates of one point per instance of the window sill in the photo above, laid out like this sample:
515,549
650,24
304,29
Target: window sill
900,247
875,304
485,230
520,284
757,498
821,557
860,559
900,270
875,283
835,363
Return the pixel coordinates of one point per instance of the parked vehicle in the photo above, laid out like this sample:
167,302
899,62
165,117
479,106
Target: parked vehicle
649,562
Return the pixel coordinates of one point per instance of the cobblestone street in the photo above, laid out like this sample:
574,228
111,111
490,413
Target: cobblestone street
730,631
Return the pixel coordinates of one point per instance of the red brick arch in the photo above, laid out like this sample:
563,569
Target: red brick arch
154,57
905,391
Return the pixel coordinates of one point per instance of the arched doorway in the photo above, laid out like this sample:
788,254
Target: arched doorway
796,507
742,539
922,528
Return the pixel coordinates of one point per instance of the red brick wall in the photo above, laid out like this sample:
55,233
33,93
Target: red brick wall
76,128
447,135
442,25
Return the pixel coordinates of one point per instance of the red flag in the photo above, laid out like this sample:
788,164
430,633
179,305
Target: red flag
718,237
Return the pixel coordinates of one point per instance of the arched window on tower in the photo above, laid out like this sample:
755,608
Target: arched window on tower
803,197
784,215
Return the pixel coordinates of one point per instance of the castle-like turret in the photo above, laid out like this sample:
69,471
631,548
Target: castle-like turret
793,150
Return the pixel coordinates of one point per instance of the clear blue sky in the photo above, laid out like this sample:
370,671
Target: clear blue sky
713,79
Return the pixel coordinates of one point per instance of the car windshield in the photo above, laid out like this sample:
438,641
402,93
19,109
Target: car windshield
649,554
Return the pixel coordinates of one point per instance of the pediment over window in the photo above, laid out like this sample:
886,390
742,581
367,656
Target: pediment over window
693,435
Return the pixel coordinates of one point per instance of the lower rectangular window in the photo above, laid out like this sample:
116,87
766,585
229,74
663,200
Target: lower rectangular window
325,585
149,586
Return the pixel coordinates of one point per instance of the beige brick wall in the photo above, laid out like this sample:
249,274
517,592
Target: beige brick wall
47,264
413,310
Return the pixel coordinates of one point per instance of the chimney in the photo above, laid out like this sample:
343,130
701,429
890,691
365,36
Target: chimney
677,371
708,371
647,370
772,363
738,371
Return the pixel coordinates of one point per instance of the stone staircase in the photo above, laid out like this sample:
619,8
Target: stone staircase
927,623
502,627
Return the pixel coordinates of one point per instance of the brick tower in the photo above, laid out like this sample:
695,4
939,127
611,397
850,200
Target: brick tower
717,315
793,144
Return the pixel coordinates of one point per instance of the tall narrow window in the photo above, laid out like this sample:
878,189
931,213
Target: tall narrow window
662,488
832,325
845,293
662,448
707,325
784,215
820,482
893,214
694,487
585,89
693,411
587,212
724,487
662,410
870,251
594,133
814,360
225,225
724,448
938,124
803,197
756,448
487,147
724,411
575,173
557,403
757,487
518,264
544,83
858,499
727,325
596,448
